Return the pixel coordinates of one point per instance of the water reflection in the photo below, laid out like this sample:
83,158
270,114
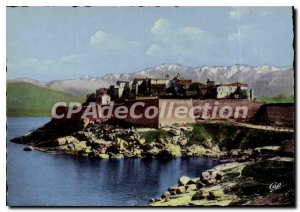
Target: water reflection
36,178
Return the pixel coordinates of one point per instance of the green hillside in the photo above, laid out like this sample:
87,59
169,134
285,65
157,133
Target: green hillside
276,99
24,99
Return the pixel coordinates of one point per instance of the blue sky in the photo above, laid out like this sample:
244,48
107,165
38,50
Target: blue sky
47,43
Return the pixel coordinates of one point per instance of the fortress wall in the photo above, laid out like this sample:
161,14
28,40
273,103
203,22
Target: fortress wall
252,106
258,113
169,106
140,110
276,115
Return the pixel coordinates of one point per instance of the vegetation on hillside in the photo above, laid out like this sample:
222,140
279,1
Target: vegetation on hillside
228,136
276,99
154,135
24,99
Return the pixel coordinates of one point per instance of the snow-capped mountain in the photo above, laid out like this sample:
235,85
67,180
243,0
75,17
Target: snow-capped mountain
264,80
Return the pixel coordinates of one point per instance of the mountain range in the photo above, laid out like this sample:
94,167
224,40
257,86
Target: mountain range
264,80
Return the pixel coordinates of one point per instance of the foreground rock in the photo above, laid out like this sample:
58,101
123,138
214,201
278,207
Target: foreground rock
107,141
104,141
246,183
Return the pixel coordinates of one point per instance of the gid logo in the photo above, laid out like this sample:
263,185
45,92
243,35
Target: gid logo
274,186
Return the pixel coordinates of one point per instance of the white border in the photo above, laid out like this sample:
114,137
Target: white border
110,3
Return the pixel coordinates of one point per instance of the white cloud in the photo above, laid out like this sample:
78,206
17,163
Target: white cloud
154,48
68,58
161,25
34,64
233,36
249,11
239,11
176,41
106,42
244,32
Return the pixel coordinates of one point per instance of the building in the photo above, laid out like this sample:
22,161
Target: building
159,85
121,87
211,83
104,100
135,85
185,83
235,90
178,87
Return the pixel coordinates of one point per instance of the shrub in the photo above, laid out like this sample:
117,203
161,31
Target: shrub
155,134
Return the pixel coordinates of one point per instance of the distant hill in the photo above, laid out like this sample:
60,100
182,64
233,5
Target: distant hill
80,86
264,80
26,99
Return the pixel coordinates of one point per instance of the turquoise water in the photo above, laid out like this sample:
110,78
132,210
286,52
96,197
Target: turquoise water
39,179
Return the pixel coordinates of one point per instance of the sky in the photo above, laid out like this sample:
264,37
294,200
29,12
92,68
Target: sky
48,43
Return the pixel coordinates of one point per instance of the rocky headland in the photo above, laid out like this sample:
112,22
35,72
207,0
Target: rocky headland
257,166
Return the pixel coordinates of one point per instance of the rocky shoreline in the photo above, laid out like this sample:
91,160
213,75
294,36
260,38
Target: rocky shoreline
246,183
245,177
259,177
253,183
108,141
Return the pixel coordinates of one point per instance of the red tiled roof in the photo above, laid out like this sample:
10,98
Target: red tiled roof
237,84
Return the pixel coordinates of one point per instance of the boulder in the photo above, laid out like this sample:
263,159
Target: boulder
142,141
248,152
199,150
84,135
103,156
172,188
152,200
205,175
182,141
28,148
217,174
118,156
288,147
153,152
199,184
215,194
193,181
268,149
235,152
164,141
208,143
166,199
121,144
180,190
165,194
158,199
173,192
137,152
79,146
175,132
170,151
186,128
100,143
209,181
198,195
88,150
176,139
183,180
191,187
